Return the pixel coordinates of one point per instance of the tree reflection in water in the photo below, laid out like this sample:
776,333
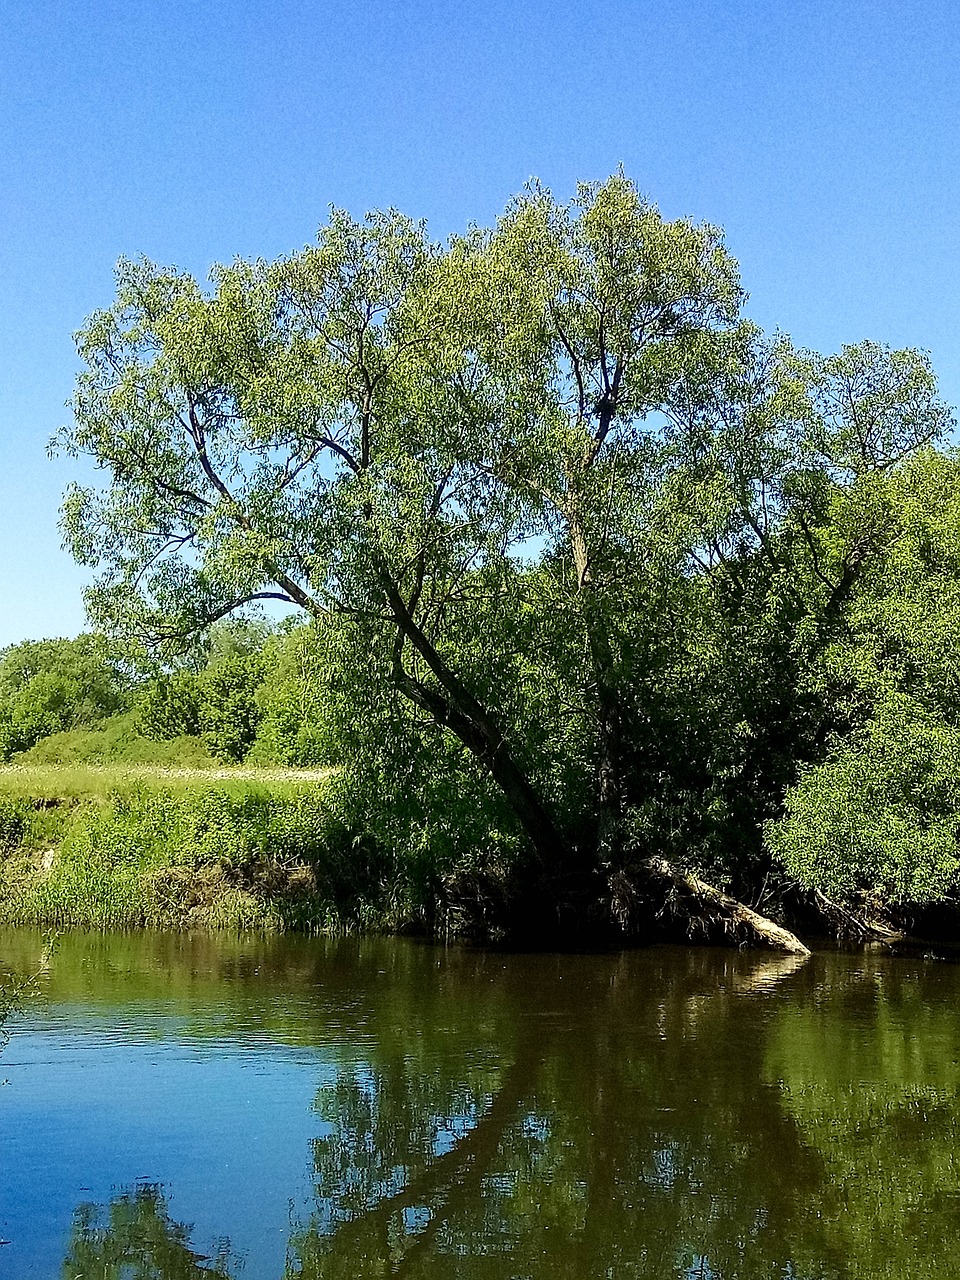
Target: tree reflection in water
136,1239
619,1139
668,1115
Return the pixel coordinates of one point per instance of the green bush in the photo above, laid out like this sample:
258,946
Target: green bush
229,711
882,816
219,705
117,740
50,685
170,707
296,726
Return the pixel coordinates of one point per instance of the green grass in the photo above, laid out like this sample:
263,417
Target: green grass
116,741
95,783
130,846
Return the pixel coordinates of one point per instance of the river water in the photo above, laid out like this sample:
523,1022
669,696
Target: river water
178,1106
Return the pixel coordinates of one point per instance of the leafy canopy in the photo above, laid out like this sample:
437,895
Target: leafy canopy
592,561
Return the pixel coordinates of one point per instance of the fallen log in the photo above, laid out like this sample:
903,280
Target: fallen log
697,905
856,926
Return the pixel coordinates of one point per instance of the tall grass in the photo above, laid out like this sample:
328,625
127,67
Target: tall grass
119,851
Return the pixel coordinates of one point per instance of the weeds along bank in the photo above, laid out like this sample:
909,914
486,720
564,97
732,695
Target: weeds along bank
113,850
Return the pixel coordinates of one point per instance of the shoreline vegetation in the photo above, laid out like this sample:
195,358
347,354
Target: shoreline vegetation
134,846
108,846
611,617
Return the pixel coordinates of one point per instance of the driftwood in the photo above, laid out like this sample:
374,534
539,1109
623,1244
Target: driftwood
870,930
856,926
701,907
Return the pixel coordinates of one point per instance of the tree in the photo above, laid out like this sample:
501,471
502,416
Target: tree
497,461
214,697
876,818
49,685
169,706
229,712
294,700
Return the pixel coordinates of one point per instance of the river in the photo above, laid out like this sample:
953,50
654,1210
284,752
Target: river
261,1108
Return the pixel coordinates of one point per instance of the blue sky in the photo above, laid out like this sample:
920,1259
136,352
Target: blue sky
822,136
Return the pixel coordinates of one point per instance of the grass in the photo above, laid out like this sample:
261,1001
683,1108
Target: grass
92,782
117,741
128,845
90,765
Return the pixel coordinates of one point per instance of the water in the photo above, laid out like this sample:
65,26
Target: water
176,1107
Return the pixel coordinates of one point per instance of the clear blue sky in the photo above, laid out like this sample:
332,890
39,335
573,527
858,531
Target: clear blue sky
822,136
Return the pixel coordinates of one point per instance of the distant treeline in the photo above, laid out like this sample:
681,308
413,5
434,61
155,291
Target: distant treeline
253,692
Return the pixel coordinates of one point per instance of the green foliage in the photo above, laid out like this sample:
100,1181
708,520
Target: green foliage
50,685
881,816
219,706
225,703
242,855
12,993
877,813
594,570
117,741
229,711
294,699
169,707
14,823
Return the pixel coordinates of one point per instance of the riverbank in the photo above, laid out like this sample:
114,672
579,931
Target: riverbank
132,847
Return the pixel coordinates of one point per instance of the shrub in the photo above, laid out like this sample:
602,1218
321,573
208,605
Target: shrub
882,815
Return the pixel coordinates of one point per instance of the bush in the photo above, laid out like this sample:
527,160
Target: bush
219,705
117,740
882,815
14,819
296,726
170,707
229,711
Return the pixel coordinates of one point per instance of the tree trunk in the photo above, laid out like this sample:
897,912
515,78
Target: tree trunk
455,708
480,735
609,784
697,906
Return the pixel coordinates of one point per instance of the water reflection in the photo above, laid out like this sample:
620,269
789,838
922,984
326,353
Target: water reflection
661,1114
134,1236
622,1133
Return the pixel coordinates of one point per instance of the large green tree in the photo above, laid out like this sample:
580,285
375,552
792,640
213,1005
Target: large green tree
553,485
49,685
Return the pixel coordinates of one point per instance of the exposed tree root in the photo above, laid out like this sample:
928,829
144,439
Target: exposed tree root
697,906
